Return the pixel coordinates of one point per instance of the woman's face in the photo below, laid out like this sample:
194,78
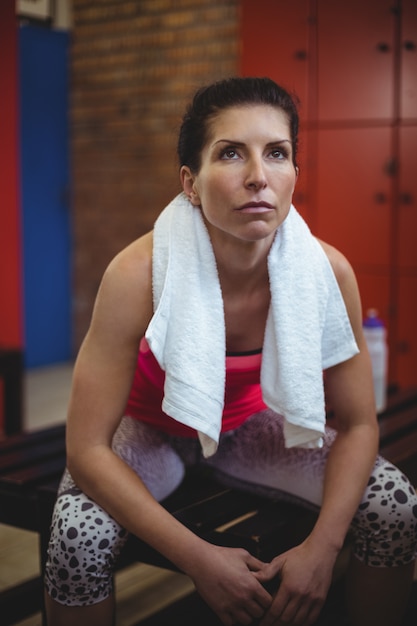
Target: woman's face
247,177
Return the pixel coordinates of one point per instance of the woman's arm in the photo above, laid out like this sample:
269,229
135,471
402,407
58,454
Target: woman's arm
102,380
350,392
103,376
306,571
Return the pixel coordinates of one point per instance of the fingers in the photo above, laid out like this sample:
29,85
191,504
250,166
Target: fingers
254,564
244,615
253,607
294,610
254,612
262,572
269,578
239,598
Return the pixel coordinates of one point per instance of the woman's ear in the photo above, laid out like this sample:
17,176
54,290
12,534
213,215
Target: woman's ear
188,184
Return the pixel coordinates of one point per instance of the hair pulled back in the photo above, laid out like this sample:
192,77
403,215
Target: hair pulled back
236,91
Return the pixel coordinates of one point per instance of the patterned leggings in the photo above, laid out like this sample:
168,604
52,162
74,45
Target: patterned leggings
85,541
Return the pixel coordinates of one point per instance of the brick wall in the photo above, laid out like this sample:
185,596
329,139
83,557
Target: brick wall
134,65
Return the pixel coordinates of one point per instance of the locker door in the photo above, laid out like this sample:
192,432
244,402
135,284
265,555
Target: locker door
406,348
406,287
354,194
276,43
408,44
275,40
355,60
407,201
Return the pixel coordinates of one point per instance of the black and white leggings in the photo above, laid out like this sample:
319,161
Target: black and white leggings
85,541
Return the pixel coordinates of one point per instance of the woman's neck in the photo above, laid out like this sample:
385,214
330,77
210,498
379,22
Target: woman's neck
242,267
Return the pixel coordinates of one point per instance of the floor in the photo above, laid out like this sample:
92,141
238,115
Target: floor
140,589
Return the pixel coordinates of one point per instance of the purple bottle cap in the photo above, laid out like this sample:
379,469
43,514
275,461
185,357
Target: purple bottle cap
372,320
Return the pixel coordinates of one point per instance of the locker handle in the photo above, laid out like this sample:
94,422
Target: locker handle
300,55
406,198
380,197
383,47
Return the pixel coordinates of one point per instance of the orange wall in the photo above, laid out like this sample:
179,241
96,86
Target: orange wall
10,243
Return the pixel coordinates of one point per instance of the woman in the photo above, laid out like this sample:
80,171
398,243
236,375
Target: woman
230,267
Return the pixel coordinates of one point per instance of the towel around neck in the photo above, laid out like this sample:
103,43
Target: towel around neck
307,329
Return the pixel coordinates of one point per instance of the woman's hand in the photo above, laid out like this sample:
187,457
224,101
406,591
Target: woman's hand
225,579
304,574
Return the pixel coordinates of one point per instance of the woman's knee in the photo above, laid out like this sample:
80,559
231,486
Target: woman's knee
84,544
386,521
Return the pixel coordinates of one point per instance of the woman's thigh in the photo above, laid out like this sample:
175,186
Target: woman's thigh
385,524
151,455
254,457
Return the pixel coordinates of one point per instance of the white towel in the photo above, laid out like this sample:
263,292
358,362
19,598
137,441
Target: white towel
307,328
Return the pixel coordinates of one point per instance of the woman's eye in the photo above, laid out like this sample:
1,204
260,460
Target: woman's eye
229,153
278,153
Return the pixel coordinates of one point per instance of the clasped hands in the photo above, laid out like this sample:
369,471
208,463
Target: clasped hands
233,585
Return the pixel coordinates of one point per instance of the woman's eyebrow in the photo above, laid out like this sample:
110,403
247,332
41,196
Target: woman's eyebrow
278,141
235,143
242,143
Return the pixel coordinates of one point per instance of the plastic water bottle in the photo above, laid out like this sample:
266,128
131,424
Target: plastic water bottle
375,336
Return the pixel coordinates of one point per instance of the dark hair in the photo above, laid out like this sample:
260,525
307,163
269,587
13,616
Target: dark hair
230,92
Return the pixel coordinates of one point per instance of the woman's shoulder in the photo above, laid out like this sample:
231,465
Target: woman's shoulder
348,285
134,261
341,267
127,281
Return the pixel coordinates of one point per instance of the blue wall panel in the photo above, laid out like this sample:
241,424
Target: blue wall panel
45,184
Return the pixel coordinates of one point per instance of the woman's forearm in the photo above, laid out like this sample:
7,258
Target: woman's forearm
349,465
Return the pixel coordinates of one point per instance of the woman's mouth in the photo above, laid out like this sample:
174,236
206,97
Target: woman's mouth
255,207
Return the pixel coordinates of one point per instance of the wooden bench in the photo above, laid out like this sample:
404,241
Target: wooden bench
11,389
32,463
27,461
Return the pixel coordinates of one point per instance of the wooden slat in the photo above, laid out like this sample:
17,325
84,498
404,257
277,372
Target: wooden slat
394,426
29,477
19,458
217,510
26,440
19,510
401,449
274,528
197,486
399,400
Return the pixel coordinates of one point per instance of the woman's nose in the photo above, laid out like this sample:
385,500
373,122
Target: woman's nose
255,176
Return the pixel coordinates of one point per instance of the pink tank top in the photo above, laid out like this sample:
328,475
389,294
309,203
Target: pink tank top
243,395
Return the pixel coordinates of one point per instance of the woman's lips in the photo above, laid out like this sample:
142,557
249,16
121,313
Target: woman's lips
255,207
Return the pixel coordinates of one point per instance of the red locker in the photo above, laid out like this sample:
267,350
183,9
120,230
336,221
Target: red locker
355,60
